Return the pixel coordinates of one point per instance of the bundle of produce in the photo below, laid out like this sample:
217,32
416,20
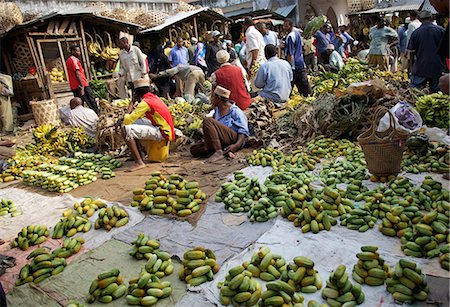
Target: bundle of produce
88,206
266,265
280,293
355,190
313,217
173,195
425,236
188,117
330,148
159,263
340,291
240,194
371,269
29,236
296,99
41,267
314,25
147,290
49,140
261,117
143,246
107,133
185,7
56,75
445,257
7,177
302,160
302,276
408,283
107,287
70,247
292,180
262,211
434,109
97,162
267,157
434,159
8,207
343,171
199,266
24,159
434,191
358,219
398,220
111,217
109,53
239,288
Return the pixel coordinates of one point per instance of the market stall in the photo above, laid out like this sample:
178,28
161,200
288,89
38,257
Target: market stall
40,48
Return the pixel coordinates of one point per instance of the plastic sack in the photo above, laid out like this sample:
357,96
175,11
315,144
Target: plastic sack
437,135
374,88
407,119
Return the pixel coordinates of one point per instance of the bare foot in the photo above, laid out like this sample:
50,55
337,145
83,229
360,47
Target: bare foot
136,167
231,155
218,155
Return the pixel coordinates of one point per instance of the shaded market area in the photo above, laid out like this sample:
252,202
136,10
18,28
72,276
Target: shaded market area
176,153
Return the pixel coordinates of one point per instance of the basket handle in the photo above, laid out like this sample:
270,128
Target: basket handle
376,118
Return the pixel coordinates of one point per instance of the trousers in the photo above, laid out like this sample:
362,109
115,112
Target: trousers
88,98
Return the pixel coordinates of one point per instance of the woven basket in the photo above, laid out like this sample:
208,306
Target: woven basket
354,6
383,151
367,4
45,112
185,7
150,19
22,56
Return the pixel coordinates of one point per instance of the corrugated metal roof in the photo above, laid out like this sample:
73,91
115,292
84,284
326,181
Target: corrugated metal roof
285,10
405,5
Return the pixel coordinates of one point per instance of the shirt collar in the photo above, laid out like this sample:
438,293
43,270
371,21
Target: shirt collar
273,58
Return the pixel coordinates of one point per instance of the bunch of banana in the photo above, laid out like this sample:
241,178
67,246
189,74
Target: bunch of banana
109,53
122,102
435,159
266,265
45,134
88,206
159,263
398,220
7,206
70,225
296,99
70,247
371,268
263,210
107,287
445,257
43,266
408,283
78,139
280,293
302,276
434,109
330,148
94,48
147,290
199,266
29,236
358,219
239,288
254,69
267,157
111,217
424,238
340,291
173,195
8,175
143,246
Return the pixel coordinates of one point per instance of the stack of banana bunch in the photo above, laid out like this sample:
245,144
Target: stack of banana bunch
109,53
49,140
7,206
94,47
77,139
30,235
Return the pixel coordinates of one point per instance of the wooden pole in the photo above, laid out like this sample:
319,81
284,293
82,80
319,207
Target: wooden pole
195,28
63,60
48,93
87,61
40,77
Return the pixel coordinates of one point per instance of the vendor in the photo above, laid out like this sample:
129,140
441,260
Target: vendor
6,92
150,120
226,132
231,77
79,116
191,76
132,62
335,61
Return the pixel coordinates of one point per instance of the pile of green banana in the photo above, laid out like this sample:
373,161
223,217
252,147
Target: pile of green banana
435,160
358,219
70,247
262,211
279,162
330,148
71,225
199,266
239,195
434,109
143,246
239,288
267,157
340,291
424,238
266,265
43,265
107,287
408,283
302,276
159,263
398,220
147,290
280,293
343,171
88,206
90,161
29,236
111,217
371,269
8,207
173,195
445,258
436,193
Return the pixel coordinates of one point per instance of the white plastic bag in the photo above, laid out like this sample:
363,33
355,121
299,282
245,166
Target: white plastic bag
407,119
437,135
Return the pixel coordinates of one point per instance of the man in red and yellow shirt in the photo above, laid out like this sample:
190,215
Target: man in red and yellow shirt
150,120
77,79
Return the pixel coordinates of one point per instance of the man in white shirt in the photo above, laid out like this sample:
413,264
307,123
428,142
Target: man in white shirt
412,26
132,61
335,61
270,37
79,116
254,42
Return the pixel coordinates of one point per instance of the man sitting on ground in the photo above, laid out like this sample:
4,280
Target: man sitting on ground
335,61
226,132
274,77
150,120
79,116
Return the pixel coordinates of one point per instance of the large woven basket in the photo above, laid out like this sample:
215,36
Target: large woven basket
383,151
10,16
354,6
367,4
46,112
22,56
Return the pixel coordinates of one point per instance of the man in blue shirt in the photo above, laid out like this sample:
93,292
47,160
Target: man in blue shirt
179,54
322,42
427,65
294,55
402,43
274,77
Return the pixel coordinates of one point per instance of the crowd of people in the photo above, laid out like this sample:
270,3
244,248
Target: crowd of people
261,67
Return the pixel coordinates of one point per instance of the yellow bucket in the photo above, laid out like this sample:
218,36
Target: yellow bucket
157,151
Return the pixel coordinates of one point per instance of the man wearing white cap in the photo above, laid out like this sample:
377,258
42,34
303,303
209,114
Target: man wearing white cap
230,77
211,51
226,132
335,61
